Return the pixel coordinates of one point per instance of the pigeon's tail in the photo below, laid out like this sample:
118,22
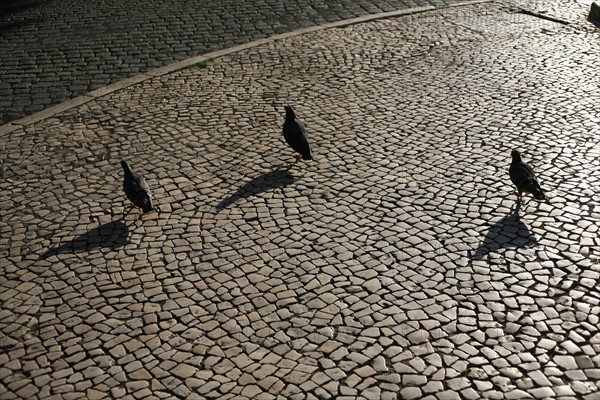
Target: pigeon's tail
307,156
144,202
147,206
535,189
538,193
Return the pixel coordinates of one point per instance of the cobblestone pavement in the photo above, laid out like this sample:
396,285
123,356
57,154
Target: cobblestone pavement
51,51
395,265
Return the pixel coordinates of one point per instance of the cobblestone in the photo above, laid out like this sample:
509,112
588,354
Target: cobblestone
52,51
396,263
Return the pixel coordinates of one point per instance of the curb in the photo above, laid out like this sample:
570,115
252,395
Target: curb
167,69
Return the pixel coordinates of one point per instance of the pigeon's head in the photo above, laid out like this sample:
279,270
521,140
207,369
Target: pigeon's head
289,112
515,154
124,165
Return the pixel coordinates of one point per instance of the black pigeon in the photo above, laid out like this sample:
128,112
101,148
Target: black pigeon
524,179
295,135
136,189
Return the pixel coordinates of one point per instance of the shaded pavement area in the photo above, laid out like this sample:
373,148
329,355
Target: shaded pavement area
54,50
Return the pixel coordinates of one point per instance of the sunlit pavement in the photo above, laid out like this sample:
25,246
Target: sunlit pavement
396,265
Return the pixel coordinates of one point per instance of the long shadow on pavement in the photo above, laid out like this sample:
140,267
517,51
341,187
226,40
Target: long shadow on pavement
277,178
112,235
508,232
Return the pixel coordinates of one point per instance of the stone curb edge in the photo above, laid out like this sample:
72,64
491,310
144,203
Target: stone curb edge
167,69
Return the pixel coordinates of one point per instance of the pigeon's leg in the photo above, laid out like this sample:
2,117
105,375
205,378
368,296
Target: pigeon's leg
128,211
517,208
298,157
519,199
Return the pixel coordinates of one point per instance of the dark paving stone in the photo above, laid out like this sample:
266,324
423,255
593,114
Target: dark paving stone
71,47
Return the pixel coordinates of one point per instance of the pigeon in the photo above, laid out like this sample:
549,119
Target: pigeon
295,135
524,179
136,189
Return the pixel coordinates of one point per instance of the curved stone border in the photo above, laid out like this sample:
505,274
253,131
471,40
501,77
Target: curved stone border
167,69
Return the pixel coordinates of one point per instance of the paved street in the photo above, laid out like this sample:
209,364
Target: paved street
396,265
51,51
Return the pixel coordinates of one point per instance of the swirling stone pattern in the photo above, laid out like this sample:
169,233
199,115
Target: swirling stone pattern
395,265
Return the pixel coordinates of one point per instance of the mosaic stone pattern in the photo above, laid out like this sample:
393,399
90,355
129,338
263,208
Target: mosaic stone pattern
396,265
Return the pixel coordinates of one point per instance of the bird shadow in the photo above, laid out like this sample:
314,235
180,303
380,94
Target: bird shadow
278,178
112,235
508,232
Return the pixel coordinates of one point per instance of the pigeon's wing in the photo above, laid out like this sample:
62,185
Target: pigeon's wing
523,177
528,170
302,130
520,172
137,191
143,196
295,135
531,185
304,144
130,186
144,186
